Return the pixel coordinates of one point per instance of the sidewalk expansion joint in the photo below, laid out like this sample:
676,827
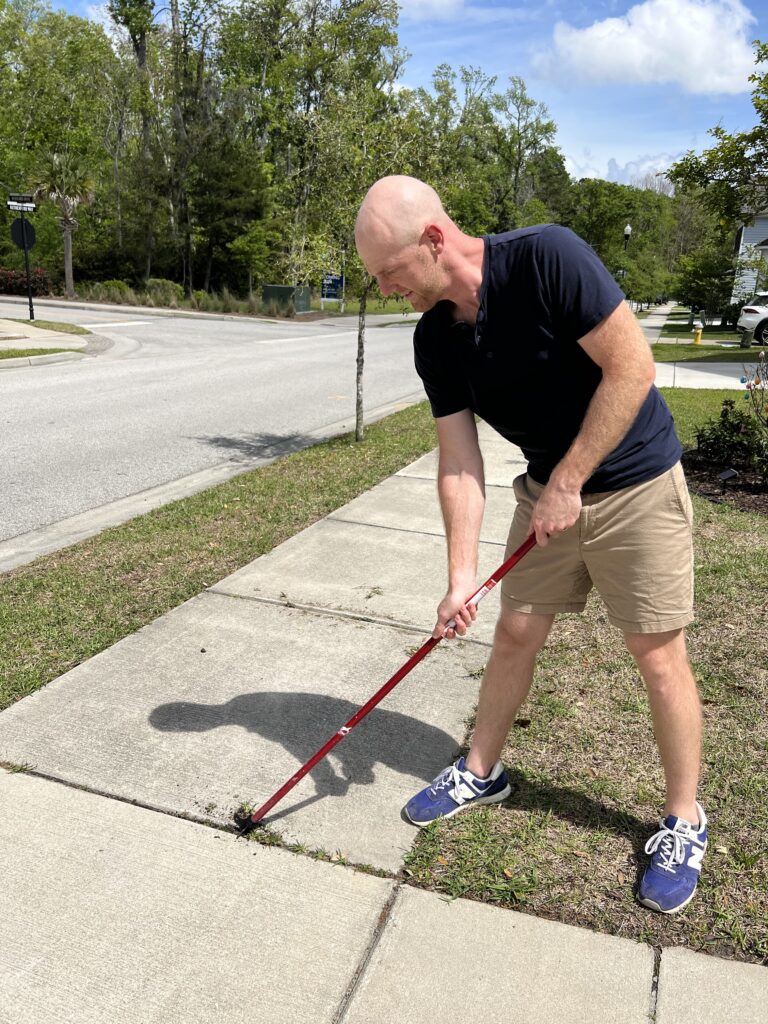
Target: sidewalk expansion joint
365,959
333,518
336,613
655,983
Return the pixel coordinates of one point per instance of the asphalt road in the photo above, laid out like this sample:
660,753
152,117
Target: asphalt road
175,395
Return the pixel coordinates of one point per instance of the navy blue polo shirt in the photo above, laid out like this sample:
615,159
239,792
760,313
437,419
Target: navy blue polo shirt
521,368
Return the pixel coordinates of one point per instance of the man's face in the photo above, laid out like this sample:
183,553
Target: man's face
410,272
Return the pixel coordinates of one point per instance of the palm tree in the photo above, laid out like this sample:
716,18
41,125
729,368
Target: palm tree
65,182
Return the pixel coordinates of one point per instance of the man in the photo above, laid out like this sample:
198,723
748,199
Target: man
528,330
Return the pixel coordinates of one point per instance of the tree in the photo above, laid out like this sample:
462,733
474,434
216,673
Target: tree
733,175
521,132
66,183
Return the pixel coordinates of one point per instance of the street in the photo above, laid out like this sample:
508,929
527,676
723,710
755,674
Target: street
175,395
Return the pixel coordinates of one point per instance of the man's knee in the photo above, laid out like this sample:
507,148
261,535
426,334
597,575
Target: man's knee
661,657
521,631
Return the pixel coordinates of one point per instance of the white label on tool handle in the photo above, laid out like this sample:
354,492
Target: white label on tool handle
475,599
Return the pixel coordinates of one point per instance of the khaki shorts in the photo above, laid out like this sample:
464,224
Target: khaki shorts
634,545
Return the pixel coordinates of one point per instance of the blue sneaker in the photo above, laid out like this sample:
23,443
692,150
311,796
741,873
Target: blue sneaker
453,790
677,851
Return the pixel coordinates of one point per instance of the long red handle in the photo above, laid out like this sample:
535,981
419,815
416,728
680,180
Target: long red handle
401,673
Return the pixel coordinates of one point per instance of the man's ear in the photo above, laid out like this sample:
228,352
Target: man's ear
433,237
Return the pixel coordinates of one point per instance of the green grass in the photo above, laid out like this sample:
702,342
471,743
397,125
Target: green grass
53,325
711,332
692,407
67,606
670,353
17,353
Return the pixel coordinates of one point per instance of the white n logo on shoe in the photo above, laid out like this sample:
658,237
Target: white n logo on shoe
696,857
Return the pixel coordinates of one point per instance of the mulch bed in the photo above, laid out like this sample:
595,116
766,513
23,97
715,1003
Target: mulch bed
744,492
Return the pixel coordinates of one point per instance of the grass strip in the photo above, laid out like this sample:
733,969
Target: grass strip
67,606
712,332
17,353
671,353
53,325
587,784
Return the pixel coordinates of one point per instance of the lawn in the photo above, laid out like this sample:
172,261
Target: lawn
712,332
664,352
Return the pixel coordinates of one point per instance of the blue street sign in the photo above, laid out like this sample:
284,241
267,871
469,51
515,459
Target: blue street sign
332,287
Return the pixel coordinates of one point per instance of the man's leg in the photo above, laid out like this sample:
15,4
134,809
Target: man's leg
508,676
676,714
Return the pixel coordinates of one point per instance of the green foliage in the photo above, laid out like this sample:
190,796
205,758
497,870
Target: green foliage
163,291
737,438
733,175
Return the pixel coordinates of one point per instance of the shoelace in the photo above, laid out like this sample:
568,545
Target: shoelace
449,775
672,847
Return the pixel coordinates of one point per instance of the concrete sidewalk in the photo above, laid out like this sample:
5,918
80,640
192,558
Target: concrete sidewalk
123,903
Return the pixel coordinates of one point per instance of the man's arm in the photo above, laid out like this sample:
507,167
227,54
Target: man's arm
461,487
619,348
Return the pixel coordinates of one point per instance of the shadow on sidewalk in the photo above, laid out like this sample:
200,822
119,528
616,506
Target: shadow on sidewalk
302,722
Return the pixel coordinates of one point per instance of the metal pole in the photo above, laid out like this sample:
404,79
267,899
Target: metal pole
26,264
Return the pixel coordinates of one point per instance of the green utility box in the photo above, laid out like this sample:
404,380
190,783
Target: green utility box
286,295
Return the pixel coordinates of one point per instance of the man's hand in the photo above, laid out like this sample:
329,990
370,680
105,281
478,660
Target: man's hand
557,508
453,607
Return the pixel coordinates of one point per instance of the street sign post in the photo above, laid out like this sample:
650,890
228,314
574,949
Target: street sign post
23,234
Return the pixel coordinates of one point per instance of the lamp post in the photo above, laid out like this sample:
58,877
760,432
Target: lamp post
627,233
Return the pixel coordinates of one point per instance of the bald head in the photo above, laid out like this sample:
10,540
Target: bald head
395,212
410,245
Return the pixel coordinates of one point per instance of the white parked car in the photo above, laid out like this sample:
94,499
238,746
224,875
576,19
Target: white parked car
754,317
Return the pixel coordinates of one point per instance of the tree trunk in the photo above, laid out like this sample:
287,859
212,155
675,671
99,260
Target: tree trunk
69,282
360,361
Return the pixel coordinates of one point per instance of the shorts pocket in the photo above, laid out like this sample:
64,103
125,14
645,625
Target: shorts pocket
682,498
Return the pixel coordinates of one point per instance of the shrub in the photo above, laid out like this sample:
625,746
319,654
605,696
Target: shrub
229,303
115,286
164,292
739,437
14,282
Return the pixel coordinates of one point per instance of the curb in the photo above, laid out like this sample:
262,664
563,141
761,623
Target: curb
58,357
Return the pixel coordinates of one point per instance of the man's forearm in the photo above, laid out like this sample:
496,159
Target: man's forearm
462,500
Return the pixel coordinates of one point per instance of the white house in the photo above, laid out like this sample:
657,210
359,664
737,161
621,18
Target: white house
751,240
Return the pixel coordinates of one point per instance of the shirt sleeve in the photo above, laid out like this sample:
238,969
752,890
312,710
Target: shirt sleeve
447,392
580,291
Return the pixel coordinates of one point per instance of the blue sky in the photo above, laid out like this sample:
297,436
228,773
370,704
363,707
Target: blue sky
631,86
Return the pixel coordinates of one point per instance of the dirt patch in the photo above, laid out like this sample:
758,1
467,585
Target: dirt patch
745,491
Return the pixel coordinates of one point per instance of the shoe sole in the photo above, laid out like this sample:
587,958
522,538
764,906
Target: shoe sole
655,906
496,798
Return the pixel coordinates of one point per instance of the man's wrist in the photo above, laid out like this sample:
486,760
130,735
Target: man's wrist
567,480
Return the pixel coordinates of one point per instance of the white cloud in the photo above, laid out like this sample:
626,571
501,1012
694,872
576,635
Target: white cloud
635,170
701,45
586,164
